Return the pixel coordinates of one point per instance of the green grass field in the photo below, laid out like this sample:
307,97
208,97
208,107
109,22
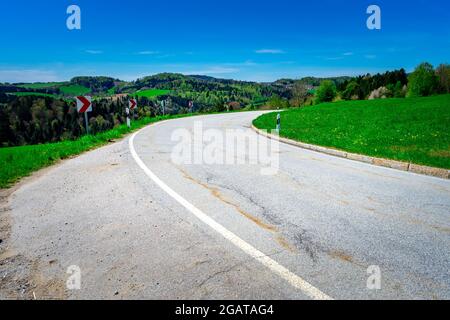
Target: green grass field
18,162
150,93
38,94
74,90
415,130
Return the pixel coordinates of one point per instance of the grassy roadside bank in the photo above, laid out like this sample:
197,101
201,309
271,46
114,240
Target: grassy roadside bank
19,162
415,130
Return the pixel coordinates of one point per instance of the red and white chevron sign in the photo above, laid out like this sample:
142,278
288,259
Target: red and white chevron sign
84,104
133,104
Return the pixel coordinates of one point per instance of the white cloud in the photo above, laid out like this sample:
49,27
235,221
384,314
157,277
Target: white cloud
340,57
247,63
147,53
269,51
28,75
334,58
94,51
167,55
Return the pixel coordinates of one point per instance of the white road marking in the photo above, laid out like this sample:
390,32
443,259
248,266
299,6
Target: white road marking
274,266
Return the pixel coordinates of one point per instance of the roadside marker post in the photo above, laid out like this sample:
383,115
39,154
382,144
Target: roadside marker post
278,122
191,106
127,110
84,105
163,104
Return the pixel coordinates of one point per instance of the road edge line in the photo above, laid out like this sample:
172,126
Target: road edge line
271,264
379,162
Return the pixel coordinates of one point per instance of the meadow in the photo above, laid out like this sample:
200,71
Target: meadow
74,90
415,130
150,93
37,94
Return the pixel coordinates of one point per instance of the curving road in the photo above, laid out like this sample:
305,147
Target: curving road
140,226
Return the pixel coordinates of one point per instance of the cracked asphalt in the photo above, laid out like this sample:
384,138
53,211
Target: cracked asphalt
325,219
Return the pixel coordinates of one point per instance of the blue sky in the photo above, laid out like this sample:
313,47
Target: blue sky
248,40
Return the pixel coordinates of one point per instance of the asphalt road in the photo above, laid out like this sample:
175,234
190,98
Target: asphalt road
140,226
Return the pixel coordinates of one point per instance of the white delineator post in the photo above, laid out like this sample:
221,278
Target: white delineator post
163,104
127,110
278,122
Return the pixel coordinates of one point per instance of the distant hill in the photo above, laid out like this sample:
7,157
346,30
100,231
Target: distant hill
311,81
207,93
95,84
76,86
174,82
43,112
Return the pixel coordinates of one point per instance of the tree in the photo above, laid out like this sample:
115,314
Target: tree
423,81
443,74
220,106
326,92
299,94
400,90
351,91
276,102
380,93
4,126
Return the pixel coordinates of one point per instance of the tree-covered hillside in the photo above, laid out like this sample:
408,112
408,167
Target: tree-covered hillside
43,112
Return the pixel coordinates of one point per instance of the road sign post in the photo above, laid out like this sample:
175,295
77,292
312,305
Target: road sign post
86,121
84,105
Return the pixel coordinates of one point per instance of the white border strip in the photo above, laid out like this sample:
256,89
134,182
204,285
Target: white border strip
274,266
